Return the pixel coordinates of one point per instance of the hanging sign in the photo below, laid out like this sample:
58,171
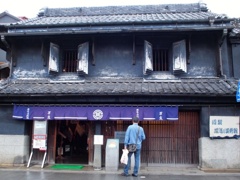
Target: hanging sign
224,126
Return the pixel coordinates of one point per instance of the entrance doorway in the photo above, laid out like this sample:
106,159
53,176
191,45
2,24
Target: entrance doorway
72,142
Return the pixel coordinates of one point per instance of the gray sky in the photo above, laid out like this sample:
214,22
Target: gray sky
30,8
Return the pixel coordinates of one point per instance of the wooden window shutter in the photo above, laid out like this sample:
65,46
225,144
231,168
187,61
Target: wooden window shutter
148,58
179,57
83,55
54,58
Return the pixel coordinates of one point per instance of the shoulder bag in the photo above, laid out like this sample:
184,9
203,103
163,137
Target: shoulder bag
133,147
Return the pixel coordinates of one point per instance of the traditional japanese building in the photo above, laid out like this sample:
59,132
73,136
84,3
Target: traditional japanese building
87,71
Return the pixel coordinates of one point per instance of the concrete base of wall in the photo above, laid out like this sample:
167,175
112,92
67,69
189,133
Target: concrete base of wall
217,154
14,150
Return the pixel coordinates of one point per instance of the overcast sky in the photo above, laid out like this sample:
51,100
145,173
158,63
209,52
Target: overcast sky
30,8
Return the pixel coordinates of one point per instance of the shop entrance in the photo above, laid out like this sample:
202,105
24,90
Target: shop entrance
72,142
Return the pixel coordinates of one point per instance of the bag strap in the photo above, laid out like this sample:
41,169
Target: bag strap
137,134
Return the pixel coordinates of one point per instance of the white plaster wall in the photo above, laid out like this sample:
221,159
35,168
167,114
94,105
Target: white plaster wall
219,153
14,149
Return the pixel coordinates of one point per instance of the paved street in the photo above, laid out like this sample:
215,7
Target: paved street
6,174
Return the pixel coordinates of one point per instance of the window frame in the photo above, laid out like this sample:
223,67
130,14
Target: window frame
177,58
55,51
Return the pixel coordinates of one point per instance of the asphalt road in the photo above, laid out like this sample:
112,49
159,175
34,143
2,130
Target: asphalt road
48,175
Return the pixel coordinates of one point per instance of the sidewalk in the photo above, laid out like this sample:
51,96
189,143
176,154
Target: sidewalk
144,171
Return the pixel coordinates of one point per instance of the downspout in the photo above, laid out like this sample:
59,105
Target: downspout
220,52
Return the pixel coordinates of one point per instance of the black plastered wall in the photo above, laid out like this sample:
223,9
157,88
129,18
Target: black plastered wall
10,126
236,58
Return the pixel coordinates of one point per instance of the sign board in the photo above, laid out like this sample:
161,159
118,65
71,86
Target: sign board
120,135
40,135
112,155
98,139
39,139
224,126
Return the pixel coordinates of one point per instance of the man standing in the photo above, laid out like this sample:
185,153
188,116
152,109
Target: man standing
134,135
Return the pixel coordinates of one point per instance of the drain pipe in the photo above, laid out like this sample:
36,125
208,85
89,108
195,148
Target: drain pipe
220,52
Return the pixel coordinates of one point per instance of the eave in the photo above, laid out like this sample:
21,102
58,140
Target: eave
120,99
114,29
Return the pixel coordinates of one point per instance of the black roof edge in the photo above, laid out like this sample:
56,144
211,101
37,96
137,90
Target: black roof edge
123,30
216,21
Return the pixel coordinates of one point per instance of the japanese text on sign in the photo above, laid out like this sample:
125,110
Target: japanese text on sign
39,135
224,126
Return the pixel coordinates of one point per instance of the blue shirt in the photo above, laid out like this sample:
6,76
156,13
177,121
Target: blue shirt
131,133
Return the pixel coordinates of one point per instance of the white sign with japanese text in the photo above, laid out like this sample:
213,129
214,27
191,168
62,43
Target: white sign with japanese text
39,135
224,126
98,140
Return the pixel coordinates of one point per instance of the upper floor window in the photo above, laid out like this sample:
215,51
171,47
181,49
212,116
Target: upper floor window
73,60
4,65
4,70
69,61
160,60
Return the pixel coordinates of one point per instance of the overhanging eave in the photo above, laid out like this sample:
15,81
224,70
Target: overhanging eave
112,29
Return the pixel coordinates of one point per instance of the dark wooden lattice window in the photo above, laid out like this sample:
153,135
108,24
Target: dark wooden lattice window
73,60
160,60
70,61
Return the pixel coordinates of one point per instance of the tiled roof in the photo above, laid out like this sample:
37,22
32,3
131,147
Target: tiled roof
116,19
168,13
115,10
194,87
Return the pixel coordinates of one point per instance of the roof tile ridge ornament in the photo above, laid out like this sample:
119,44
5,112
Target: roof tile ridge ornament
203,6
211,20
42,12
236,30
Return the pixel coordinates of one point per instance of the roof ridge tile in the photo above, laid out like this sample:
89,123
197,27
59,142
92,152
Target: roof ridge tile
128,9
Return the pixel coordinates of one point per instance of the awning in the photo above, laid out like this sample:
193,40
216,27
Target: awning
94,112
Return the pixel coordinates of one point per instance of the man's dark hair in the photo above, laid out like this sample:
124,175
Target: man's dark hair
135,119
